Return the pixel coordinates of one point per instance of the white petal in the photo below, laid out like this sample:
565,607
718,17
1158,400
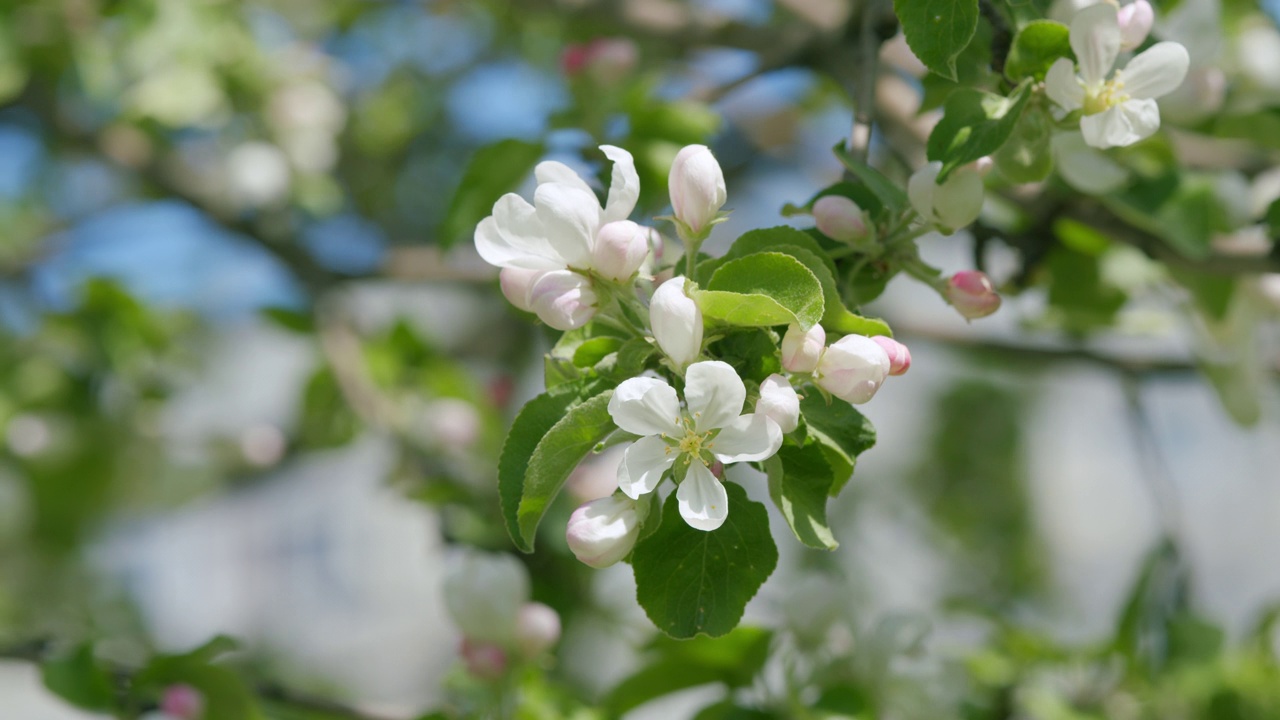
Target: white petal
676,320
1124,124
920,188
779,402
570,218
1095,38
513,237
624,186
714,393
643,464
1156,72
646,406
704,503
1084,168
958,201
1062,87
747,439
550,171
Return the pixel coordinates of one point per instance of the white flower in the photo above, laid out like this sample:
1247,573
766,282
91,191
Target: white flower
801,349
697,187
559,229
710,428
853,368
779,402
951,205
621,248
1135,19
1084,168
1120,111
483,593
563,299
676,320
517,285
603,531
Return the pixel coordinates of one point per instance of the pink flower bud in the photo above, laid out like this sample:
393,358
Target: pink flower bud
802,349
779,402
840,218
899,355
611,60
537,629
183,702
483,660
517,286
1135,21
602,532
970,292
483,593
621,247
574,58
563,299
676,321
696,184
853,368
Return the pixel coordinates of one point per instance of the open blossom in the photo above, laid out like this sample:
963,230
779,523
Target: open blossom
676,320
711,427
853,368
1121,110
952,204
697,187
603,532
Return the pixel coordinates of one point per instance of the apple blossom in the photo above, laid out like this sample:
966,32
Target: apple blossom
779,402
483,593
182,702
697,188
840,218
537,629
1085,168
487,661
602,532
517,285
558,231
621,247
951,205
970,292
899,355
1120,111
801,349
853,368
1135,20
563,299
711,427
676,320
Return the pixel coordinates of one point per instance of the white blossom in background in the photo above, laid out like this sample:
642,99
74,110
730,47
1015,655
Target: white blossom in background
802,349
779,402
676,321
603,532
711,427
697,188
1084,168
1121,109
951,205
853,369
484,593
257,174
537,629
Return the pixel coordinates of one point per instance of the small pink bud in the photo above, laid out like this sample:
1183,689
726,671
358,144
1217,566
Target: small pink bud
183,702
500,390
537,629
1135,21
574,58
801,349
621,248
970,292
899,355
853,369
840,218
483,660
563,299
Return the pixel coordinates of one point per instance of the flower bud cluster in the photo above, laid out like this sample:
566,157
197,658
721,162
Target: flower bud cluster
852,368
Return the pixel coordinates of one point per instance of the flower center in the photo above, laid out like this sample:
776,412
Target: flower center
1104,97
692,443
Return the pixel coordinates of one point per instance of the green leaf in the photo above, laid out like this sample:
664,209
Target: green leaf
763,289
494,170
532,423
1027,156
594,350
800,480
893,197
733,660
840,428
557,454
974,124
689,581
753,353
79,679
938,30
226,695
1035,48
728,710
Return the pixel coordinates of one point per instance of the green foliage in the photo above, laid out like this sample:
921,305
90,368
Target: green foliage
1035,48
732,660
1026,156
80,679
226,696
763,289
800,479
690,582
842,432
938,30
891,196
976,124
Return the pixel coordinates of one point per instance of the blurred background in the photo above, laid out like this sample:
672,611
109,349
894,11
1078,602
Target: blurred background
255,379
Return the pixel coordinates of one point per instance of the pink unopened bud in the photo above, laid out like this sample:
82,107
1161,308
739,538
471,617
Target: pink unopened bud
621,248
1135,21
574,58
517,286
801,349
899,355
483,660
603,532
970,292
853,369
183,702
697,187
563,299
840,218
537,629
612,59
